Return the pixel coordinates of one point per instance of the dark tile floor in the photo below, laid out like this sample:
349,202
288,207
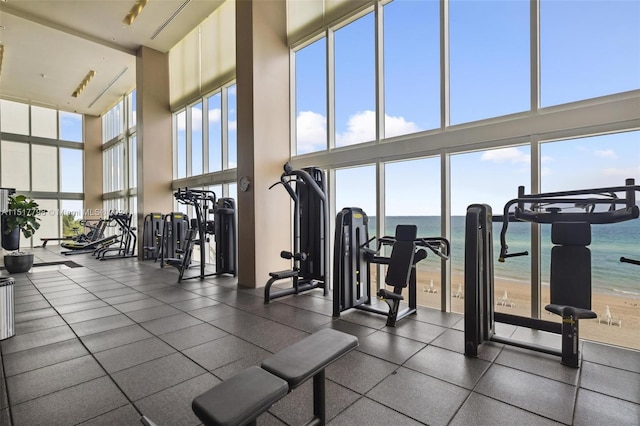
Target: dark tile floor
107,342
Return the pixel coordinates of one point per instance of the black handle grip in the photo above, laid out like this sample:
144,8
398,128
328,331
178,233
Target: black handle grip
632,261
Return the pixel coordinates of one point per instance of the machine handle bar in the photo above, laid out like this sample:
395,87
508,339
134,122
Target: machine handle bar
632,261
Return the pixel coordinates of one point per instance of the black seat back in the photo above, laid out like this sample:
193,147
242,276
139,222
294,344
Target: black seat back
571,264
401,260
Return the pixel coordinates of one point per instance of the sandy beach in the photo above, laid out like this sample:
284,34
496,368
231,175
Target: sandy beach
624,329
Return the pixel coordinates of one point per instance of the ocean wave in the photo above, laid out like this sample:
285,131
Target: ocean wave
630,293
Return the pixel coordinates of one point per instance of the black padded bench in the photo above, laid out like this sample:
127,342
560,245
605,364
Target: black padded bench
245,396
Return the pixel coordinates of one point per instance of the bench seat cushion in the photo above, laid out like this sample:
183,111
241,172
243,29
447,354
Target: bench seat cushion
239,399
306,358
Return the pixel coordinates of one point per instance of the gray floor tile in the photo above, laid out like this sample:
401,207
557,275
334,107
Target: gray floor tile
153,376
451,367
454,341
31,306
24,327
421,397
155,312
81,306
319,305
514,387
172,406
170,323
416,330
193,304
123,416
130,297
138,305
611,356
359,372
98,325
113,338
71,290
236,322
172,295
357,330
390,347
36,383
193,336
480,410
220,352
135,353
292,316
42,356
37,338
297,407
537,363
29,299
214,312
595,409
71,405
90,314
253,356
367,412
437,317
610,381
69,300
5,418
270,335
122,291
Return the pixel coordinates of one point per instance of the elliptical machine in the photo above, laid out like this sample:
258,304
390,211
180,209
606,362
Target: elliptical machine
307,188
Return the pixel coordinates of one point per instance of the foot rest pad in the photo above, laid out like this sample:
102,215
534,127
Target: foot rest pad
239,399
283,274
389,295
564,311
309,356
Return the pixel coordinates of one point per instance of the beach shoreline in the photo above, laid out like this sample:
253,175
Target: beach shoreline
622,329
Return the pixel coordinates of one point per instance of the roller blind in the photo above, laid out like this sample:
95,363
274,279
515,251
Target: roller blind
306,17
205,58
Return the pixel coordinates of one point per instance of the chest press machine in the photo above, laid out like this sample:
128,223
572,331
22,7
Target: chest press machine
570,278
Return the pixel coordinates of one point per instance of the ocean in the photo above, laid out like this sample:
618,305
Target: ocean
608,244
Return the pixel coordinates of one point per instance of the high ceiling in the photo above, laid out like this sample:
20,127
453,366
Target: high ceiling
50,46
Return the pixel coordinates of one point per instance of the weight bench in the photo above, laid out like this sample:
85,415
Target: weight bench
245,396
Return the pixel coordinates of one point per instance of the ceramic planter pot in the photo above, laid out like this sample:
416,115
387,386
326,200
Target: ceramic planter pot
15,264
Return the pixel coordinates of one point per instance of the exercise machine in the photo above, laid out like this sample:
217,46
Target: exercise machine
570,279
222,225
353,259
308,190
95,232
174,236
126,240
101,241
152,236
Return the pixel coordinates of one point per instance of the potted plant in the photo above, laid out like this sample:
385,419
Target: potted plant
22,216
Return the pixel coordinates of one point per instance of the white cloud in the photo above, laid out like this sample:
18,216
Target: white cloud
232,126
606,153
361,127
546,171
622,172
312,131
395,126
512,155
215,115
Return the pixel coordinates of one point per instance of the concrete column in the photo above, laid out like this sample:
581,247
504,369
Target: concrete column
153,143
92,167
262,63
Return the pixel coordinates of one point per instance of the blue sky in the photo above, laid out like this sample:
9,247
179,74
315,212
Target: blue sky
588,49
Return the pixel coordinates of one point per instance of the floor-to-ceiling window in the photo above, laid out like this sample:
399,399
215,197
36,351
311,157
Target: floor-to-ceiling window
41,156
464,102
119,157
